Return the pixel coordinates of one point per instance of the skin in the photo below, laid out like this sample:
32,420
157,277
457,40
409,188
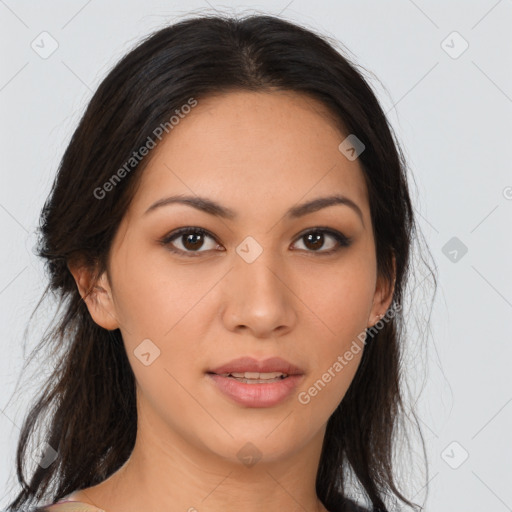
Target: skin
258,154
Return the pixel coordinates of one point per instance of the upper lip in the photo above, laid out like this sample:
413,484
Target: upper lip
249,364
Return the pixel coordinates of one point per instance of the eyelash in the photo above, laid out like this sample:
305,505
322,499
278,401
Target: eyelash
343,241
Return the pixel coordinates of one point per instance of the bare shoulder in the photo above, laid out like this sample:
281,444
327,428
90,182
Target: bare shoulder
78,501
70,506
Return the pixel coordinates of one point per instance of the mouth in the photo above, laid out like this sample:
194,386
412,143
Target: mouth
254,377
255,383
253,369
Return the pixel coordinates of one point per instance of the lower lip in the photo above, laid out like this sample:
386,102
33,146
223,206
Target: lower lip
256,395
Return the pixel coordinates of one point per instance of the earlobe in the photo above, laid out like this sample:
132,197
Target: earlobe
97,295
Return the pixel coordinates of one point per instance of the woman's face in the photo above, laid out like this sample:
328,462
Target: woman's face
259,283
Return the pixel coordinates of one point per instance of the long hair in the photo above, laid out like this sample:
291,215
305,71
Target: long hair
86,411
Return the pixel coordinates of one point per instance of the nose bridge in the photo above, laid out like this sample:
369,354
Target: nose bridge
260,277
258,298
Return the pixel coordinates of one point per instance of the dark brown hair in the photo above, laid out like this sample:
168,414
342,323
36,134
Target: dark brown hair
88,401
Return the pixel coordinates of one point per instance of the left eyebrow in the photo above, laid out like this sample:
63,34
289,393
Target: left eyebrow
211,207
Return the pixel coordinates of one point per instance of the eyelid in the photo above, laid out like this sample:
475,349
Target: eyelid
175,234
342,240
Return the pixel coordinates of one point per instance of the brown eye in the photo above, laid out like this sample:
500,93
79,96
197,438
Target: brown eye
315,240
191,240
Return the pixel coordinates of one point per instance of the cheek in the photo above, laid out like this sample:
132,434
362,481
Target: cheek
338,297
338,303
336,364
154,296
165,312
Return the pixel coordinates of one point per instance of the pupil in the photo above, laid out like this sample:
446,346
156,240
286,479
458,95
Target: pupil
194,240
318,237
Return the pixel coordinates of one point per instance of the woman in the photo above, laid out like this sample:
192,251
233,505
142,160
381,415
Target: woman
229,232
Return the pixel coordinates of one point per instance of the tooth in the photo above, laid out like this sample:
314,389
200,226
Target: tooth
271,375
257,375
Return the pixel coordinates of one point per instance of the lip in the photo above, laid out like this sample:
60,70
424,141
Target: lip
257,394
249,364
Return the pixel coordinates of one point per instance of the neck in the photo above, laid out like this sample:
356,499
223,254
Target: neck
174,475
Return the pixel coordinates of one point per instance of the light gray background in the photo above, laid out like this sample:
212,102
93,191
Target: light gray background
453,118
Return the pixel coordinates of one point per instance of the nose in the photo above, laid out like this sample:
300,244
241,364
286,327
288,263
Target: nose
259,298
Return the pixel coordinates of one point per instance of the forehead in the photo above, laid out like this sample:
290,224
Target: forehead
256,153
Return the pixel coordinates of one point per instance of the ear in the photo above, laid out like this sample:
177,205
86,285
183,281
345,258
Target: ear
96,293
382,297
